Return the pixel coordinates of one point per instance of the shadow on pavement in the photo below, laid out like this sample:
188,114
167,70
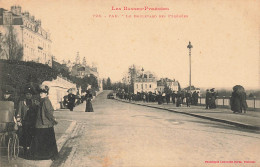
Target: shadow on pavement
63,156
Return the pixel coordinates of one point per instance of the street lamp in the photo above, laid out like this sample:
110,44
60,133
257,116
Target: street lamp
189,47
128,83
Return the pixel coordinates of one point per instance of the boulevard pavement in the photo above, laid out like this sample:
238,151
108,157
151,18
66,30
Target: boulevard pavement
249,120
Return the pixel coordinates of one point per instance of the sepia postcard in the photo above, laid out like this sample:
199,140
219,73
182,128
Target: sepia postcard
130,83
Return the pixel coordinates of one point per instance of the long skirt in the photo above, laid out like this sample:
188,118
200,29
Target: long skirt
89,107
28,132
44,144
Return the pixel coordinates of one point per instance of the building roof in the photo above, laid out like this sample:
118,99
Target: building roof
164,81
2,10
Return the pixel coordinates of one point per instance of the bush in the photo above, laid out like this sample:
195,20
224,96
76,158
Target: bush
19,73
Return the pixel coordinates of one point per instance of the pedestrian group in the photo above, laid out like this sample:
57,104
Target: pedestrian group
36,121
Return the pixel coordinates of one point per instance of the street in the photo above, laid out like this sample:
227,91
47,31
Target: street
120,134
172,83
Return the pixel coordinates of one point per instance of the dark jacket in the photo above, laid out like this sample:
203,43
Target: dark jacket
45,118
208,97
71,98
235,102
23,108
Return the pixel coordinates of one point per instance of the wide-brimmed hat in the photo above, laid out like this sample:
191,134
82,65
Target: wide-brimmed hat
28,90
212,90
7,89
44,89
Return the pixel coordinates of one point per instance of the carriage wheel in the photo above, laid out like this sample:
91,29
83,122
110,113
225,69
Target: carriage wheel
15,146
10,149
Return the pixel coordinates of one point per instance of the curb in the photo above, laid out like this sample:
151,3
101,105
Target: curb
238,124
66,135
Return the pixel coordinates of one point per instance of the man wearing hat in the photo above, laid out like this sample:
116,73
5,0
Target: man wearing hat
7,92
208,98
71,100
212,99
26,116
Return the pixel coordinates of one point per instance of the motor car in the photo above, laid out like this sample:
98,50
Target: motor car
110,96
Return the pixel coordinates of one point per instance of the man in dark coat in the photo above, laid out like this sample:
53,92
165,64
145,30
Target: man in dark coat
188,98
173,97
182,96
195,97
212,104
168,96
160,98
179,99
7,92
71,100
27,112
208,98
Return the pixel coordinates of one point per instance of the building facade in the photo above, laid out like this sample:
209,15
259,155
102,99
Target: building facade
166,83
145,83
79,70
34,40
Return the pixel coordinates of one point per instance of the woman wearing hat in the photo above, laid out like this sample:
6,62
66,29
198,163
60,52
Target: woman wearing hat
89,97
44,144
27,112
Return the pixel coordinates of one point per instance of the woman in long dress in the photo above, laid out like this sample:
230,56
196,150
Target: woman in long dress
89,97
238,99
44,143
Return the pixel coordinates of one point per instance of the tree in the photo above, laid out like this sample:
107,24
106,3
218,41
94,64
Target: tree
133,73
104,84
84,62
109,84
179,86
167,89
15,50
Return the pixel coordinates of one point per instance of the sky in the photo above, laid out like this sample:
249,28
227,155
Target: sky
224,34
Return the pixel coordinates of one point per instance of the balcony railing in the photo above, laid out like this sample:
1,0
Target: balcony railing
225,101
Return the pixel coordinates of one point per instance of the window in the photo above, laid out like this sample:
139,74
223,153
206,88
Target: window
136,86
150,86
145,86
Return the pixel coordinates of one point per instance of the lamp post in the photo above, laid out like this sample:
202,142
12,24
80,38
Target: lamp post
142,79
189,47
0,40
128,82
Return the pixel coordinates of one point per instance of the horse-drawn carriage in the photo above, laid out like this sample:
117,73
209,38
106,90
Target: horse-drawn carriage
9,141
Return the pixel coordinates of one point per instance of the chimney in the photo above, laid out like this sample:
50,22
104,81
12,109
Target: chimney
16,10
13,9
19,10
